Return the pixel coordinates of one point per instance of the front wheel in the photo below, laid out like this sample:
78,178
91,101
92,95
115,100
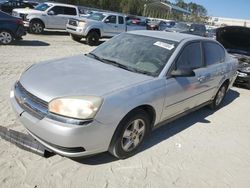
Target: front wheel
5,37
75,37
219,97
130,134
36,27
92,38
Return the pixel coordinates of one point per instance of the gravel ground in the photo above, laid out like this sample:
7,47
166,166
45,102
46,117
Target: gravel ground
202,149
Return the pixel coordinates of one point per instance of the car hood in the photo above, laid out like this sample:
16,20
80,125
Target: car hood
75,76
235,39
27,11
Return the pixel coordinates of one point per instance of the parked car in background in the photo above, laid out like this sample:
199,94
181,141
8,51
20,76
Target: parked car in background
99,25
111,98
236,40
53,16
160,25
193,29
11,28
179,27
8,6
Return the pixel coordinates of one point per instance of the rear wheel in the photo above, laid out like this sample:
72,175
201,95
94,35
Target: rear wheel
5,37
219,97
36,27
75,37
130,134
92,38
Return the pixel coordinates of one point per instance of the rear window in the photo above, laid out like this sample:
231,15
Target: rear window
213,53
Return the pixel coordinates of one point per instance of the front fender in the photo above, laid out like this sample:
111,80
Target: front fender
90,27
118,104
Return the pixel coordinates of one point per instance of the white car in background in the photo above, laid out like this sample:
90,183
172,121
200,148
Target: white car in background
53,16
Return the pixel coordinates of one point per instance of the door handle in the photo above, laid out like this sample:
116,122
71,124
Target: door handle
201,78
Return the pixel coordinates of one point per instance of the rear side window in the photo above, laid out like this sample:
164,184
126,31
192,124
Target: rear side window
213,53
69,11
58,10
121,20
190,57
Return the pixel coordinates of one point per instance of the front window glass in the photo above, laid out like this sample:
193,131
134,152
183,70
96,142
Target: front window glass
96,16
190,57
42,7
136,53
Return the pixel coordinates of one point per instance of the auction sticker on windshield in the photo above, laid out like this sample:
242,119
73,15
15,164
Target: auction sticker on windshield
164,45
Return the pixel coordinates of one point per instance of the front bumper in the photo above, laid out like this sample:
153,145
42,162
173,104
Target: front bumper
80,31
242,81
21,31
66,139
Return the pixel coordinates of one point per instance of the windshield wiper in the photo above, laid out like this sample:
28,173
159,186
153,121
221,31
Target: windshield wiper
95,56
126,67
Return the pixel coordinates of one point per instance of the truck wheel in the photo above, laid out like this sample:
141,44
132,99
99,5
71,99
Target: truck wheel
130,134
36,27
92,38
75,37
5,37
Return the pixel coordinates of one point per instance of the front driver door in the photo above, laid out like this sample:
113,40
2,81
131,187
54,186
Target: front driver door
110,26
55,20
185,92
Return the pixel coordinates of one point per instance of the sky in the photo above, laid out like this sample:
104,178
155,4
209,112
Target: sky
226,8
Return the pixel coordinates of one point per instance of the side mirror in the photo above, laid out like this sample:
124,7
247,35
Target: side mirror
183,73
51,13
192,30
107,21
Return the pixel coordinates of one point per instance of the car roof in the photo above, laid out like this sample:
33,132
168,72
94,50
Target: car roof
178,37
59,4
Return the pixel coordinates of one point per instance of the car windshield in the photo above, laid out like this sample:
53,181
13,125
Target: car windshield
136,53
96,16
182,26
42,7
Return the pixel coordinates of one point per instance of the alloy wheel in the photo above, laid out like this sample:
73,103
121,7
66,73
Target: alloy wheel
5,37
220,95
133,135
37,28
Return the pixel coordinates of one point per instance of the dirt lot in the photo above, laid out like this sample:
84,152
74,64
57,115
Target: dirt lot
203,149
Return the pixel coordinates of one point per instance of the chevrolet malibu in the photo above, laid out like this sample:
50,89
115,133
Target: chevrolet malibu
111,98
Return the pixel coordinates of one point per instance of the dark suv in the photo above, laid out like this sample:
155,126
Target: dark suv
11,28
8,6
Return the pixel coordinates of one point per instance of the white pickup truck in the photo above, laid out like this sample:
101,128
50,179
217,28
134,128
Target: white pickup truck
98,25
52,16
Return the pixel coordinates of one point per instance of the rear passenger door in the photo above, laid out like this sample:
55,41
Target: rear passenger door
214,57
121,27
69,12
186,92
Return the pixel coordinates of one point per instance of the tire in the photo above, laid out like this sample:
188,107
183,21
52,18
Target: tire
75,37
6,37
220,95
36,27
92,38
130,134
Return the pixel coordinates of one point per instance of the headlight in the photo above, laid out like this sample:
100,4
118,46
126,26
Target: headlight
81,23
84,107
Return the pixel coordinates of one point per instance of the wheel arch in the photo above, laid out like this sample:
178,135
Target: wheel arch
145,107
39,20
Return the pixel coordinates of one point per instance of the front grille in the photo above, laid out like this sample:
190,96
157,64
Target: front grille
23,16
73,22
30,103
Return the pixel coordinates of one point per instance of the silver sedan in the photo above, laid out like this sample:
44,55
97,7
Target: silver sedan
113,97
